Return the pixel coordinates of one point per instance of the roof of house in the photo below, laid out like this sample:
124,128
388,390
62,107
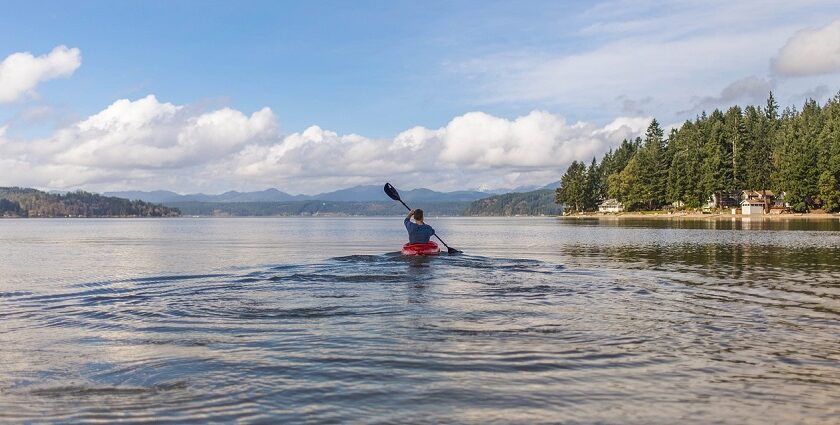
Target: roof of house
611,203
757,193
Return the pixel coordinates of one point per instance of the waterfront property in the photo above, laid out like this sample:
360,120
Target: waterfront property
752,207
611,206
723,200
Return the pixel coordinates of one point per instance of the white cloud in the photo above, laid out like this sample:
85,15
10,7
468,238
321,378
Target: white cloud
20,73
678,53
634,68
810,52
142,142
148,134
148,144
474,149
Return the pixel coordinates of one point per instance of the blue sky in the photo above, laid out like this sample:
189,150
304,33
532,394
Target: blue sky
373,68
366,73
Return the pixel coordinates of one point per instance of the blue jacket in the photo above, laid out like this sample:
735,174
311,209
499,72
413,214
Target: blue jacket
418,233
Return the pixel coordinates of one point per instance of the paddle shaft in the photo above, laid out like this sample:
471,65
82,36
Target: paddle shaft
438,237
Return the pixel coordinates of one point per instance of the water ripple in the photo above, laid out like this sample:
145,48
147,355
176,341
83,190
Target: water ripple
449,339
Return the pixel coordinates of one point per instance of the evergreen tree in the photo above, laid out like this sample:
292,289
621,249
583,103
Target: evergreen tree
625,186
652,162
573,188
759,154
797,174
683,181
829,191
614,162
716,162
735,133
756,148
595,191
772,110
829,156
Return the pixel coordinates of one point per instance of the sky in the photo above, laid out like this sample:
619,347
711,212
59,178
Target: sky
314,96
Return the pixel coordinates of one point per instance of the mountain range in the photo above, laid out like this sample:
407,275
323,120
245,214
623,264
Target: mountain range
365,193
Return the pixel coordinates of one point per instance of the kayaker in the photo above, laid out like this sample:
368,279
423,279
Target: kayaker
418,232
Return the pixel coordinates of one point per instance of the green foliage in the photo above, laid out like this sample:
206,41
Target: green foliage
614,162
829,191
574,191
651,183
796,158
687,148
756,148
10,208
537,202
314,208
23,202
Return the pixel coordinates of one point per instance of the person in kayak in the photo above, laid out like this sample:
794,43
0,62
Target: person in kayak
418,232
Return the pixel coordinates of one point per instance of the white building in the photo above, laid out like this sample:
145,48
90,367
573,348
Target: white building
611,206
752,207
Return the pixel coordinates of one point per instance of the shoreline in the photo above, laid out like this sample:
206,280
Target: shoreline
701,216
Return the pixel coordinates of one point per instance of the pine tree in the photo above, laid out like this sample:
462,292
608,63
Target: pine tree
797,175
829,191
594,192
716,163
772,109
652,167
756,148
684,170
759,155
625,186
829,156
735,133
573,188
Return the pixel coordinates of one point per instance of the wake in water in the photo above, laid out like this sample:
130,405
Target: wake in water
396,339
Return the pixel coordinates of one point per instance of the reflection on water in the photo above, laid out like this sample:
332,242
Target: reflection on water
713,222
544,320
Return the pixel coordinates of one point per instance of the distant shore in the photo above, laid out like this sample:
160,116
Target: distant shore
701,216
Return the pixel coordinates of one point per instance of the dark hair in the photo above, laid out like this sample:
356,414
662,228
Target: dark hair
418,214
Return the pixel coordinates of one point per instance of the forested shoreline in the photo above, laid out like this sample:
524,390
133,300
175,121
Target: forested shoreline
534,203
756,148
25,202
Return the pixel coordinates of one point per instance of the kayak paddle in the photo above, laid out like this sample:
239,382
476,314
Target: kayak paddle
393,194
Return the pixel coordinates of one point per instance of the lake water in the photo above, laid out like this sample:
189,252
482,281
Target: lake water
277,320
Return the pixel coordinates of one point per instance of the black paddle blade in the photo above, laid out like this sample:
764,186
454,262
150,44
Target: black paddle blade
391,192
453,251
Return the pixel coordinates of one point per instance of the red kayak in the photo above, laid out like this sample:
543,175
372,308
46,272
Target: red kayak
428,248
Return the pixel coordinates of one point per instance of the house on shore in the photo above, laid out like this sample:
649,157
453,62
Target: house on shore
750,201
723,200
752,207
757,195
610,206
773,202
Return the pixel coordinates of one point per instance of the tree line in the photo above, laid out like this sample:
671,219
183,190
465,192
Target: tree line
24,202
537,202
754,148
314,208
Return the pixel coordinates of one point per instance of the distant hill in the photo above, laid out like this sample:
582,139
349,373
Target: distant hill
552,185
315,208
20,202
537,202
268,195
518,189
364,200
426,195
23,202
367,193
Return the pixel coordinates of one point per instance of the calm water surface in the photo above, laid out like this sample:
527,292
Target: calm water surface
319,320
